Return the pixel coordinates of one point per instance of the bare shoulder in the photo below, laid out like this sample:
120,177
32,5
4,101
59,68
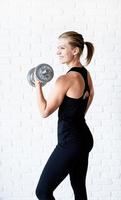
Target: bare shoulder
61,80
61,84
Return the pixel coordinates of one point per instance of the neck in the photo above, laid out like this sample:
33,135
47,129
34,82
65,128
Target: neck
74,64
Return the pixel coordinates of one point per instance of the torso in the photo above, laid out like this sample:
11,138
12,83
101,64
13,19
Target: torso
72,127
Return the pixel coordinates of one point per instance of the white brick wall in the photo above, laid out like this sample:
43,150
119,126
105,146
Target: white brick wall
28,36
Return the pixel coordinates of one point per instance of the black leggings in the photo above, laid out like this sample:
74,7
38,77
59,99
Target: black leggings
70,160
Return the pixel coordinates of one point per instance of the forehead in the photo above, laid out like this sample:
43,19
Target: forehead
63,42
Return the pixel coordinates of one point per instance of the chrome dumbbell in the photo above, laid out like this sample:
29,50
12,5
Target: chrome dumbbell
43,72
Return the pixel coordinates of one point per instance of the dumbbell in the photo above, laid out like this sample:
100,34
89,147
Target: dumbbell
43,72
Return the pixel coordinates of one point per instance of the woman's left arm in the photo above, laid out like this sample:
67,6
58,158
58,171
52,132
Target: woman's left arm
47,107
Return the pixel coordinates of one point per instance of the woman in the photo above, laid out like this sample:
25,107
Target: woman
73,93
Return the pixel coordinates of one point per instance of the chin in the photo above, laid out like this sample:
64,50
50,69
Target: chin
62,62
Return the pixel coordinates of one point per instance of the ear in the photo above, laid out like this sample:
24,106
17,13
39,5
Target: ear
76,51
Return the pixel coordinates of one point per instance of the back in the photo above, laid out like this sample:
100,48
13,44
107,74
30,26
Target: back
73,109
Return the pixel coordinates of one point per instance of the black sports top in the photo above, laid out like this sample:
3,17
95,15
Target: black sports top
72,126
73,109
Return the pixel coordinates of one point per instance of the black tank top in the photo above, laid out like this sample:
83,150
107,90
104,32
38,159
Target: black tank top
73,109
72,126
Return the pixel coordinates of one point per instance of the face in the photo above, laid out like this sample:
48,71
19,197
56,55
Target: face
65,51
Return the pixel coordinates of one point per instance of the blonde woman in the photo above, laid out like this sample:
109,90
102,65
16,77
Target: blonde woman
72,95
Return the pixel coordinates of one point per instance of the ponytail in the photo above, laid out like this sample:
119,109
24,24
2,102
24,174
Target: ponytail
90,51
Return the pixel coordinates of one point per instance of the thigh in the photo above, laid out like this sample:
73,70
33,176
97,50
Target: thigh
78,171
56,169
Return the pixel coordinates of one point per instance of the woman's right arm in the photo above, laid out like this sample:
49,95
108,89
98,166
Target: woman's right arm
91,87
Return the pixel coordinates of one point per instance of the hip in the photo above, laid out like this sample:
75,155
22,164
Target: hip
78,136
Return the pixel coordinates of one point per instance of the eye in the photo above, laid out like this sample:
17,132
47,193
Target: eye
60,47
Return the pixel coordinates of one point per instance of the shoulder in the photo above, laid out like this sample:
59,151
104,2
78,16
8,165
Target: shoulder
61,80
62,83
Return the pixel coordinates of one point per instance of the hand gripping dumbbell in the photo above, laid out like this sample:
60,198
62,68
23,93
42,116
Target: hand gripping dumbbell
43,72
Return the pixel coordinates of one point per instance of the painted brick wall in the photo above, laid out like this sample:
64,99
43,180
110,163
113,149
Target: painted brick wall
28,37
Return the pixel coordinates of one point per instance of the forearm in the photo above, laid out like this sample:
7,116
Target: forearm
40,98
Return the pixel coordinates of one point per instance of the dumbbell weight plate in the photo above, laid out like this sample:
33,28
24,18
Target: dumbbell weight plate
30,77
31,80
44,72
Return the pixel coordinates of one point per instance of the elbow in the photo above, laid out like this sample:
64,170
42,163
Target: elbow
45,114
